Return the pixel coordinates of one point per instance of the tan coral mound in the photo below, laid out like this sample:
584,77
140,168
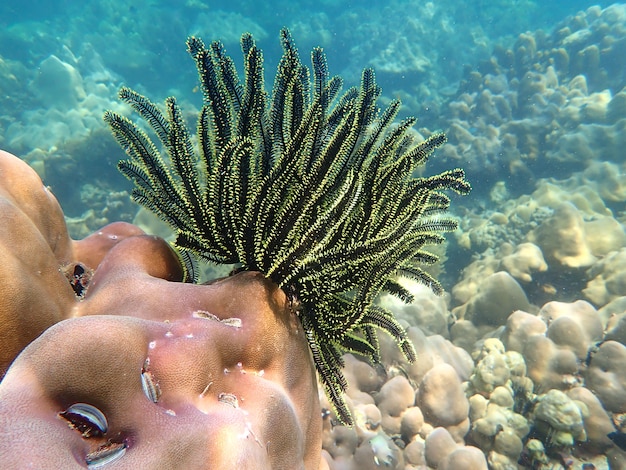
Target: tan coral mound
158,373
31,285
497,296
605,375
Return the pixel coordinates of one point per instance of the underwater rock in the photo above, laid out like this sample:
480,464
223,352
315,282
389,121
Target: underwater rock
550,237
55,124
519,327
402,57
491,370
507,448
605,179
562,239
534,454
497,427
428,311
549,366
575,325
616,109
567,232
585,198
467,458
411,423
362,377
432,350
442,452
521,263
583,118
376,452
192,360
463,333
395,409
473,275
369,416
340,442
439,444
597,422
363,446
501,244
607,278
553,98
414,455
604,235
35,294
395,396
616,324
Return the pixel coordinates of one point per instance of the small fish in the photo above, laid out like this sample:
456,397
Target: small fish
618,438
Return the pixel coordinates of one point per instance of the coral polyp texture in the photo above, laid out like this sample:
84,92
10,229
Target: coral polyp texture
310,187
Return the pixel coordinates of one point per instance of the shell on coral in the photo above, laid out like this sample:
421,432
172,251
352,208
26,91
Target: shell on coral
87,419
150,386
228,399
105,455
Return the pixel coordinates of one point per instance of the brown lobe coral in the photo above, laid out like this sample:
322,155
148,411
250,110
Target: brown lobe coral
236,337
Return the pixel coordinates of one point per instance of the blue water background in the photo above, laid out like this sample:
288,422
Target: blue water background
141,44
143,41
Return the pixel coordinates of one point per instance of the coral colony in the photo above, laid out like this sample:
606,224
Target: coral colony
310,187
309,193
115,355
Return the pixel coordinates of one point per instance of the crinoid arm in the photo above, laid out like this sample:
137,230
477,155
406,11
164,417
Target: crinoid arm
310,186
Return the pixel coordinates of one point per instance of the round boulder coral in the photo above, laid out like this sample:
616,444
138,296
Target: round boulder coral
201,387
605,375
497,297
441,397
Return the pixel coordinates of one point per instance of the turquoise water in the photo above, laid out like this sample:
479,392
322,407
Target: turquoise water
533,102
420,50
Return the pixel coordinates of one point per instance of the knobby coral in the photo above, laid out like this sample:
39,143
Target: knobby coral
310,187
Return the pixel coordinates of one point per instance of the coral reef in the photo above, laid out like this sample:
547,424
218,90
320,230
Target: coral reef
519,365
313,189
155,372
547,105
539,316
304,291
34,294
56,127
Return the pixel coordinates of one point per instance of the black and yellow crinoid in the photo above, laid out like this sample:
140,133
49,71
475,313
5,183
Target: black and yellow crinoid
311,187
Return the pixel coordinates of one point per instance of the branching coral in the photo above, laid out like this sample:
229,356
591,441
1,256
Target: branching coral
312,188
